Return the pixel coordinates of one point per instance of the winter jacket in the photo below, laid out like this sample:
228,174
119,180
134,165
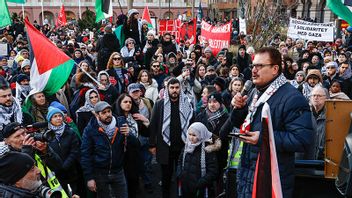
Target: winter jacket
67,147
222,153
293,132
105,47
121,84
13,192
189,175
151,91
82,120
98,154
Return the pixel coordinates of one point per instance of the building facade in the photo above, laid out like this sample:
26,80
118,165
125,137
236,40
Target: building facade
75,9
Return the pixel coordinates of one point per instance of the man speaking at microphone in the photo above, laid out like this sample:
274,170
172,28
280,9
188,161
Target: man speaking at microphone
291,120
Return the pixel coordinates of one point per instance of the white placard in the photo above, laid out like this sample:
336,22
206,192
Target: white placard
3,49
243,26
311,31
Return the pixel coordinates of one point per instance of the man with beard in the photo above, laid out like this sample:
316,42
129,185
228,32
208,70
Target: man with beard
10,108
19,177
167,44
102,153
169,122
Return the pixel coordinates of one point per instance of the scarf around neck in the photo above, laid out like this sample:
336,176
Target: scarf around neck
256,102
109,129
6,113
59,130
213,118
186,113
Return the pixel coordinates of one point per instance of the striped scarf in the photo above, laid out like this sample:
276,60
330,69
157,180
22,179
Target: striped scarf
186,113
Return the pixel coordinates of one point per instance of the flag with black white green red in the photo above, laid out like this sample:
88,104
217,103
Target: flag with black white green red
341,9
5,18
50,66
103,9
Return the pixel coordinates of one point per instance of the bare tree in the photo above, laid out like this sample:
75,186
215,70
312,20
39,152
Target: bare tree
264,20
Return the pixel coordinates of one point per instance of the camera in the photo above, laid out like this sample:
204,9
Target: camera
45,136
46,192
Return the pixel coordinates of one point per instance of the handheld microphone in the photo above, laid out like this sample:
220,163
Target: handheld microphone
246,88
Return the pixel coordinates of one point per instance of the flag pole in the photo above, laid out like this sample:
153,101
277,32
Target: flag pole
23,11
79,9
90,76
42,5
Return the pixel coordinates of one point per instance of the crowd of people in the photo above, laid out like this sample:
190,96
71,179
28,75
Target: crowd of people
148,96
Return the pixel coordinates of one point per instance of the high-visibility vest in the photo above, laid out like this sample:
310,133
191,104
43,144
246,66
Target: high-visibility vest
234,153
53,182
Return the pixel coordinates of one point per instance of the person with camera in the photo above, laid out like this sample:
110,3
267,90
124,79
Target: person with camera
35,145
66,145
102,153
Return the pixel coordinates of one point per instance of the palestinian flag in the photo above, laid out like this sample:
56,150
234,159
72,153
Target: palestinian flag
267,182
103,9
341,10
5,18
50,66
146,16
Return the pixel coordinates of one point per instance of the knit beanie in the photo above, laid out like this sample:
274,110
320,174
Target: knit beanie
215,96
13,165
58,105
22,77
25,62
52,111
132,11
220,81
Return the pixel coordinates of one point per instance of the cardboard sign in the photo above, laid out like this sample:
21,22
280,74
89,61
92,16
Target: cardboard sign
311,31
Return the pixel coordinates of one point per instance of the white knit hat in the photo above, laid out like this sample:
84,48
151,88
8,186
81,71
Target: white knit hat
132,11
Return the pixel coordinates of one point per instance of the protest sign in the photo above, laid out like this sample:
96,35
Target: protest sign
171,26
3,49
217,36
311,31
181,30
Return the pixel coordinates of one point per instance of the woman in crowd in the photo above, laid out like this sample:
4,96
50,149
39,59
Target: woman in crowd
38,111
128,51
117,72
150,84
235,86
126,108
198,80
83,65
108,92
66,145
197,166
85,113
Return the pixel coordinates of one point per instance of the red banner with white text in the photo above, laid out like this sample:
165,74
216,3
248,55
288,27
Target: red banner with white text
217,36
181,30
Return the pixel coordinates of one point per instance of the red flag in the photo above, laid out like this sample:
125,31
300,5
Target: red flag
146,15
61,19
266,176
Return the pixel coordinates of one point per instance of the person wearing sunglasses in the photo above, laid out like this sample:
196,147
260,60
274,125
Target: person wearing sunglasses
117,72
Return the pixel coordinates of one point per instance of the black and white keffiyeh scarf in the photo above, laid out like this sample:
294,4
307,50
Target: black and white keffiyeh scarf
186,113
213,118
109,129
256,102
59,130
6,113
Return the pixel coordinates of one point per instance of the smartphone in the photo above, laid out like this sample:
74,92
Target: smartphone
121,120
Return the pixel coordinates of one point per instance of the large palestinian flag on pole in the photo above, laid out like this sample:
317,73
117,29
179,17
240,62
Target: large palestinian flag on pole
50,67
103,9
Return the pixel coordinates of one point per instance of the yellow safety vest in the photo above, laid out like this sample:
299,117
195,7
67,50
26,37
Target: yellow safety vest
53,182
234,156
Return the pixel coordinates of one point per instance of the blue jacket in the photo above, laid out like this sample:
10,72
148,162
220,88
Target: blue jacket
98,154
293,132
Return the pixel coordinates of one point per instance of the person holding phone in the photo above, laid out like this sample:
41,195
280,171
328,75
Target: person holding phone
128,115
103,153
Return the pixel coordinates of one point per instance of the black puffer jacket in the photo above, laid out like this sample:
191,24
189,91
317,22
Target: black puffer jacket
67,147
105,47
190,174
